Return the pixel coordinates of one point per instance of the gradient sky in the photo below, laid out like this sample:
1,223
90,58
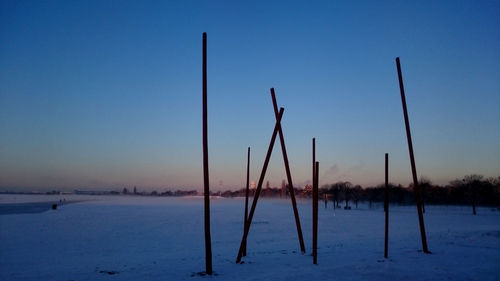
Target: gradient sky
107,94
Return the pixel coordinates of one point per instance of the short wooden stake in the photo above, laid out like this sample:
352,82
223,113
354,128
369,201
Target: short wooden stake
386,206
315,213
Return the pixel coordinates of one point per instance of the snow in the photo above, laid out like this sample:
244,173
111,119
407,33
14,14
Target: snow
161,238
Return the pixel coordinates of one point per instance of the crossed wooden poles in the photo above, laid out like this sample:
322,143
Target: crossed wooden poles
278,131
248,222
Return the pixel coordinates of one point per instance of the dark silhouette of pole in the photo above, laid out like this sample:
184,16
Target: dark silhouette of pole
289,176
386,206
208,240
259,185
314,203
313,209
315,213
313,159
412,161
246,200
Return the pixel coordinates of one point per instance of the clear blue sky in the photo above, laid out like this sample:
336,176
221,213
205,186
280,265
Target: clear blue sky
107,94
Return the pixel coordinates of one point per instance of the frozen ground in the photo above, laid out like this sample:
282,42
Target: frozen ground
153,238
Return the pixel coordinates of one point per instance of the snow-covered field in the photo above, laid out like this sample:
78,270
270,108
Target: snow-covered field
153,238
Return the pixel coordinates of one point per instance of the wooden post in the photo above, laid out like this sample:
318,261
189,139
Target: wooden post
412,161
208,240
246,200
315,213
289,176
386,206
313,159
259,185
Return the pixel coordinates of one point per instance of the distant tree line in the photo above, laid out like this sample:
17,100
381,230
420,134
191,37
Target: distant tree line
156,193
470,190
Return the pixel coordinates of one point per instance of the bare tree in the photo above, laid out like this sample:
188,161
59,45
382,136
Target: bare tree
472,184
346,188
356,193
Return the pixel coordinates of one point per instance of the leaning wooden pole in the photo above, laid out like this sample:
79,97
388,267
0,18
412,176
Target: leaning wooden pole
412,161
315,212
289,176
386,206
208,240
246,200
259,185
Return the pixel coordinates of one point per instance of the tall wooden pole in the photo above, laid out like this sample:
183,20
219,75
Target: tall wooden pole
412,161
259,185
208,240
315,213
289,176
386,206
314,204
246,200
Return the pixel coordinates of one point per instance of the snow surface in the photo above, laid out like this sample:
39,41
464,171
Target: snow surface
159,238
